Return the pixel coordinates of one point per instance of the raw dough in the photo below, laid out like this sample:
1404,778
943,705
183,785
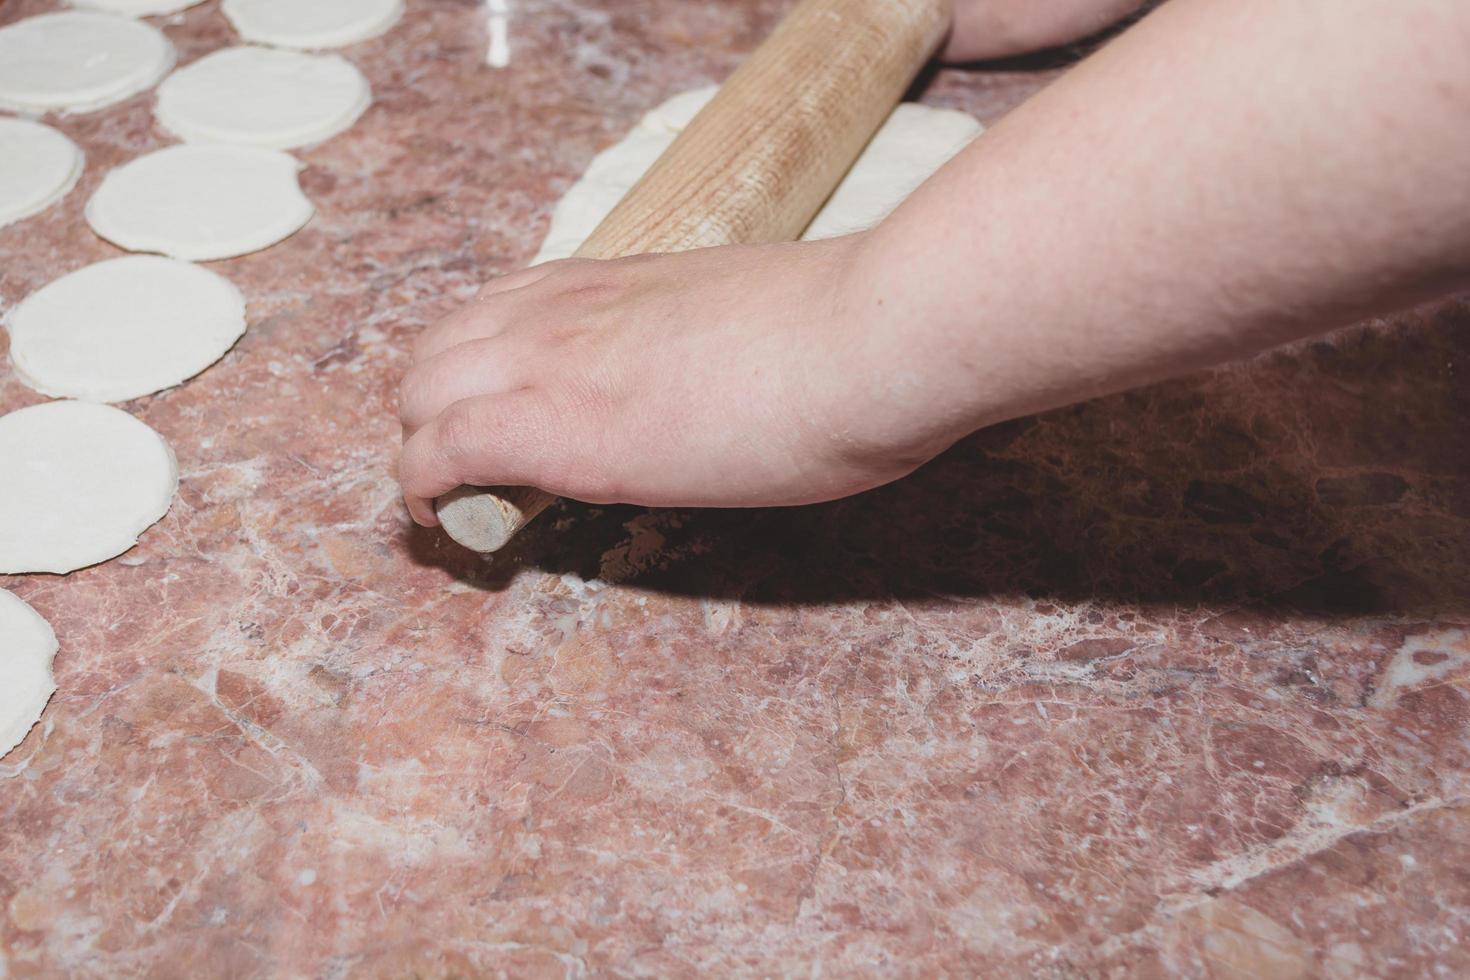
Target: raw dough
124,328
137,8
38,167
75,61
279,99
27,647
915,141
314,24
81,483
201,202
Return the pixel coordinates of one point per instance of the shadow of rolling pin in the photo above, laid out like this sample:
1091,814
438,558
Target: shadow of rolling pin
754,166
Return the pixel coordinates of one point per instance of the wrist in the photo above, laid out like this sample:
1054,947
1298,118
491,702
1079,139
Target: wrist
903,403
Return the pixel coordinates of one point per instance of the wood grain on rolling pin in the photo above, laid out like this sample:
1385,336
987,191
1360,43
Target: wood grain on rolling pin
754,166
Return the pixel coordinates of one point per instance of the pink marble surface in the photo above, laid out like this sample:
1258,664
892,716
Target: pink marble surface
1168,683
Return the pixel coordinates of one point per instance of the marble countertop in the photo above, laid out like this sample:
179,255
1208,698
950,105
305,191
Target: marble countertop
1171,682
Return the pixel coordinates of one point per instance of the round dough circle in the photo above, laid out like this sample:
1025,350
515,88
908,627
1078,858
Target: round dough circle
124,328
320,24
82,482
75,61
278,99
27,647
201,202
136,8
913,143
38,167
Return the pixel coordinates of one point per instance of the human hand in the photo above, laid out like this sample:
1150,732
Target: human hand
734,376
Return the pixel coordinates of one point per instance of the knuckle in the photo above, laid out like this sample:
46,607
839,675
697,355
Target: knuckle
458,431
407,397
585,397
565,342
593,293
413,471
425,343
403,404
573,424
489,290
562,268
591,283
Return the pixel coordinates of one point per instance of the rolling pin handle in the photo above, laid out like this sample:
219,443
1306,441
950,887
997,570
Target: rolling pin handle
484,519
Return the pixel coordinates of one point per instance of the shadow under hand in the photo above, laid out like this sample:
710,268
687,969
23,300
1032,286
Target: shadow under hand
1330,479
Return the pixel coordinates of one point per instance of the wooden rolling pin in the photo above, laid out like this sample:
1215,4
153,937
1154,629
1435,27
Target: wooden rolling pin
754,166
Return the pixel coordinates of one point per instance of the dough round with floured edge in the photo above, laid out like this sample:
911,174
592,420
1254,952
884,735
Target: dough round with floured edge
914,142
38,167
124,328
262,97
201,202
82,482
76,60
136,8
27,647
318,24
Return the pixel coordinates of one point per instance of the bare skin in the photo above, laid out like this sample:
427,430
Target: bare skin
1226,176
1001,28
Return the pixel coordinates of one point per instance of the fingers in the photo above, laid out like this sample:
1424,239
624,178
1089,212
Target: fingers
479,367
474,321
487,315
468,413
515,280
489,440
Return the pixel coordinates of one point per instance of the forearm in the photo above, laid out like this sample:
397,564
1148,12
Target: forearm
1227,176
